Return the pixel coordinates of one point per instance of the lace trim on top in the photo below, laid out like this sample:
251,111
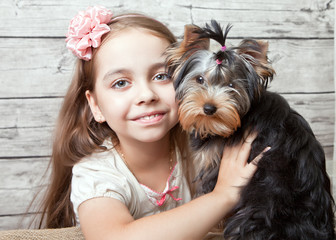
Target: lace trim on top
159,198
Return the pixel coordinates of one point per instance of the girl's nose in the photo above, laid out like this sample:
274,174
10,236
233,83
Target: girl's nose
146,94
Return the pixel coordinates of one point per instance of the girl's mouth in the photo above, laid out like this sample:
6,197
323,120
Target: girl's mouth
151,118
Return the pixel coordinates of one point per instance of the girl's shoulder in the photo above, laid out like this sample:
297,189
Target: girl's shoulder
99,159
101,174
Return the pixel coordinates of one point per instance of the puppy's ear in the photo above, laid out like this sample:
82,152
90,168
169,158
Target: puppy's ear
179,52
192,39
255,51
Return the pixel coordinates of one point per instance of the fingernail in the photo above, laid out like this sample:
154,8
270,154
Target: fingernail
266,149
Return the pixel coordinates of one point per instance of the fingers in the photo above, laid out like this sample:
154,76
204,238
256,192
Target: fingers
250,138
257,158
231,153
244,152
245,149
253,165
234,170
241,152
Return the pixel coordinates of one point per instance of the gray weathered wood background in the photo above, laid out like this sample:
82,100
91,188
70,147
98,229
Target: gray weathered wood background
36,69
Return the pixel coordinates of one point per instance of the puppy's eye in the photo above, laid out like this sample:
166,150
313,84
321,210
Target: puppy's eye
231,85
200,79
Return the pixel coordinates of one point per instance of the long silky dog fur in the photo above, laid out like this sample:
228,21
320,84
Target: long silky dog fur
222,97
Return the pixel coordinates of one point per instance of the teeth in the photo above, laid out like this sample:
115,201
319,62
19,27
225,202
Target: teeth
150,117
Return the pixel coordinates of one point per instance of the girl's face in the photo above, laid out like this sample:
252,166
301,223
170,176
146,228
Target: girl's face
132,92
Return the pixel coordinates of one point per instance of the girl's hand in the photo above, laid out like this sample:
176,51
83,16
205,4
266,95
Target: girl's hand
234,171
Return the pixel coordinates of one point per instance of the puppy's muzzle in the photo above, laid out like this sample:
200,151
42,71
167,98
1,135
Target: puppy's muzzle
209,109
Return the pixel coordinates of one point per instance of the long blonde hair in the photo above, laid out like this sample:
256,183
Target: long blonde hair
77,134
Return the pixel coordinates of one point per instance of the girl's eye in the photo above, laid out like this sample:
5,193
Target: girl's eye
120,84
161,77
200,79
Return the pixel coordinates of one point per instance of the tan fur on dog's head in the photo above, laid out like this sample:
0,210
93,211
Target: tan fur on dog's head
255,51
182,51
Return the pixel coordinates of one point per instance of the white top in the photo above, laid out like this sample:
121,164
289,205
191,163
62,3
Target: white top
104,174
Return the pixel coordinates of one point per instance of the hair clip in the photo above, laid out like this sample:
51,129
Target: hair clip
86,29
218,61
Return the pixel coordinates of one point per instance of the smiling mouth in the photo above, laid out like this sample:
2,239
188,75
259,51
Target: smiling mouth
149,117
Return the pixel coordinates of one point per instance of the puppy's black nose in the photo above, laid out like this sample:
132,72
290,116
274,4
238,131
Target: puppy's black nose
209,109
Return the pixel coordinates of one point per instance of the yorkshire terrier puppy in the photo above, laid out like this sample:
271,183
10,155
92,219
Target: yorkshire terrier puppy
223,97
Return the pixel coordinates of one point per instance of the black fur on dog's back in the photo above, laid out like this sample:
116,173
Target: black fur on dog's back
289,195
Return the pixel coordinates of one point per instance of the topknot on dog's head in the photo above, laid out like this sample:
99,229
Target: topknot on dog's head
253,51
215,32
197,39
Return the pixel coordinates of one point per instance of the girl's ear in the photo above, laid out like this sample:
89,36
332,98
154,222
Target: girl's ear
96,112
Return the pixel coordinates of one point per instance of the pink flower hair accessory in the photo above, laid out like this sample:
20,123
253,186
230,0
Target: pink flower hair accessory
86,29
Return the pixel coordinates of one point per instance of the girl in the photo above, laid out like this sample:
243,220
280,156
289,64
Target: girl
120,164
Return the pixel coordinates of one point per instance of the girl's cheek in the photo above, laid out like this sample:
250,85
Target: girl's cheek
175,111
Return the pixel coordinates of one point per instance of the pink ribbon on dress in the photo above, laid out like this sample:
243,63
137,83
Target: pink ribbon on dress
169,192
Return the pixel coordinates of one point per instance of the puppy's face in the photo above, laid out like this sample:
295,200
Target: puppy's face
215,90
213,97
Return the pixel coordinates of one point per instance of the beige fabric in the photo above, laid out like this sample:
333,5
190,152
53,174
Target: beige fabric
72,233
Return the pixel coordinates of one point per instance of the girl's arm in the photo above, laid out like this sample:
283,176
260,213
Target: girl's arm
108,218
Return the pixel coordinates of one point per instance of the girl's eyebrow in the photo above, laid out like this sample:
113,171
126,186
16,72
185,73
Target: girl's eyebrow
113,72
154,67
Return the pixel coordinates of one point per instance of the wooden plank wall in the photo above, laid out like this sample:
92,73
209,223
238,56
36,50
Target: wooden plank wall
36,69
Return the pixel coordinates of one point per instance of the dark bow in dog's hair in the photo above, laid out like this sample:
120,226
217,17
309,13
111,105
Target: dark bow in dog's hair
222,97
